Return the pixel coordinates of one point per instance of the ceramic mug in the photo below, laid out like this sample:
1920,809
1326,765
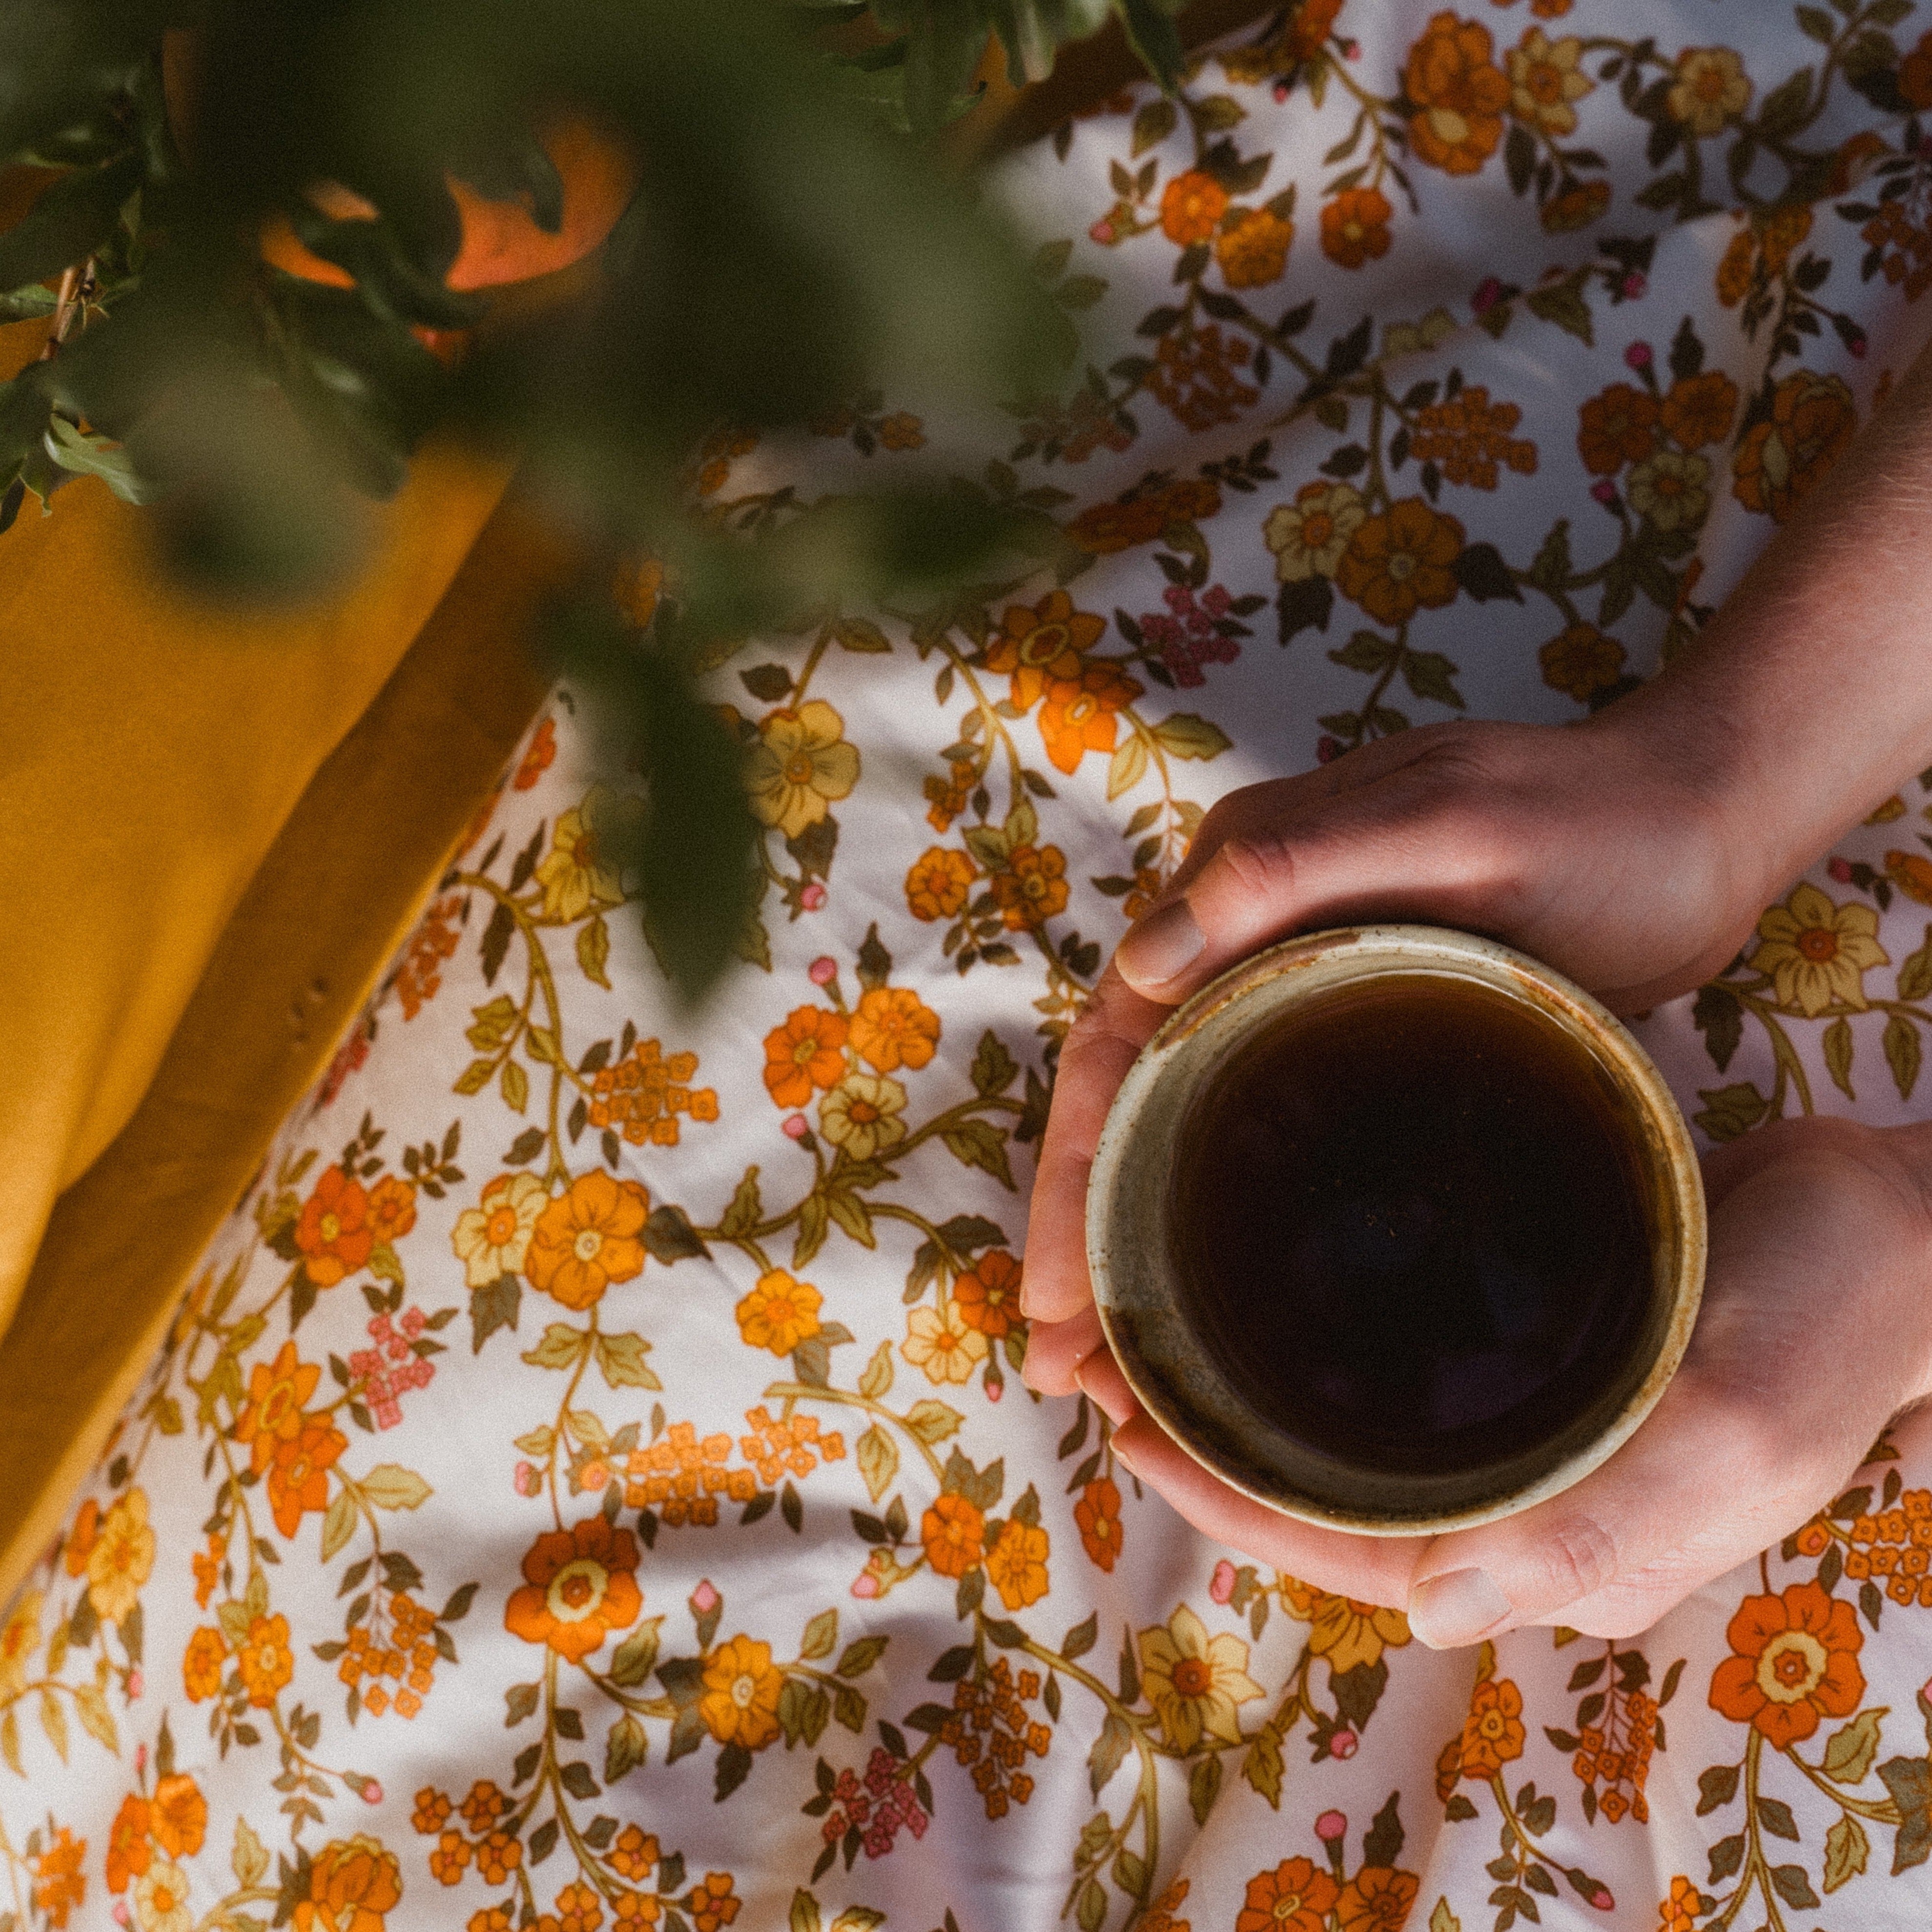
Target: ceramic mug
1175,1371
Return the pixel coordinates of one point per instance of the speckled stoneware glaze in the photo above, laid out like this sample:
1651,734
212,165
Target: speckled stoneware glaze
1173,1372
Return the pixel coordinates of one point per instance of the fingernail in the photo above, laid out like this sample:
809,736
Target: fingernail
1449,1611
1121,1456
1164,943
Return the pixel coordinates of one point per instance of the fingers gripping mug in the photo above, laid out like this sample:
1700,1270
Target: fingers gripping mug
1396,1230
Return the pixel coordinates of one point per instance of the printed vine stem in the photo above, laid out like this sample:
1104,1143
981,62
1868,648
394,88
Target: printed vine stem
15,1864
557,1172
1756,1871
1789,1069
1527,1851
1882,1810
563,1435
1146,1794
550,1776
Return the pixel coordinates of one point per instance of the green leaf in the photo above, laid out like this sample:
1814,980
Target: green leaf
625,1748
1902,1053
980,1143
1204,1787
994,1069
53,1721
1849,1751
1125,770
593,951
1152,123
1432,676
1730,1111
878,1458
1109,1749
72,219
933,1422
1442,1919
1365,652
669,1237
561,1347
1261,1766
1847,1848
493,1307
1914,975
85,453
1185,736
515,1085
90,1706
821,1634
621,1358
389,1485
249,1861
804,1912
636,1657
1153,36
1563,304
1838,1056
338,1524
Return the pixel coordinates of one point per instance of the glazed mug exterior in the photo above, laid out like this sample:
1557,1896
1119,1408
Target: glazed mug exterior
1175,1374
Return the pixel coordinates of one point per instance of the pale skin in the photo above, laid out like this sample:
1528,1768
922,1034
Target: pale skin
1634,852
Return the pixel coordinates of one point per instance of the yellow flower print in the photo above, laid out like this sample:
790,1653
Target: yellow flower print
740,1704
861,1115
1817,952
1016,1564
1344,1631
941,1342
1669,491
779,1313
122,1558
18,1643
491,1239
1193,1681
800,763
581,870
1252,247
939,883
1309,536
160,1900
1711,88
1545,78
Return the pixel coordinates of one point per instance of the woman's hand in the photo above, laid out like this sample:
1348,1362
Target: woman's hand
1594,847
1816,1328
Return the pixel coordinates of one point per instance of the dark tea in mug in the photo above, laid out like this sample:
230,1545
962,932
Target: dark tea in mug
1408,1220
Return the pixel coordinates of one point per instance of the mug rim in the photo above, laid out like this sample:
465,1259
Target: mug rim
1133,1285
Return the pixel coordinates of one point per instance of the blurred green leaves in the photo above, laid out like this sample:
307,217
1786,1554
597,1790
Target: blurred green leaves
794,240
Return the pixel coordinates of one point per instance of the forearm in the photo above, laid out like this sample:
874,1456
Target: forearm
1808,698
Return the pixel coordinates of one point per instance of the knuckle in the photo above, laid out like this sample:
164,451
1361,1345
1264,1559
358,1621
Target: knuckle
1579,1558
1258,864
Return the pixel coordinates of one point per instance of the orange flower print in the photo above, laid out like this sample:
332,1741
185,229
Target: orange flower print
129,1854
578,1588
1911,873
298,1476
264,1659
1161,1919
1581,662
1700,408
333,1233
953,1532
894,1028
740,1704
59,1883
714,1904
1253,248
587,1239
1354,226
1044,642
1377,1899
1107,528
807,1052
1780,462
1016,1564
1685,1906
1078,717
202,1662
1401,561
579,1909
1459,95
80,1538
779,1313
180,1815
1034,889
352,1884
1492,1731
1617,427
392,1208
1735,271
537,757
1575,208
1192,208
939,883
273,1413
988,1294
1794,1662
1294,1898
1097,1515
